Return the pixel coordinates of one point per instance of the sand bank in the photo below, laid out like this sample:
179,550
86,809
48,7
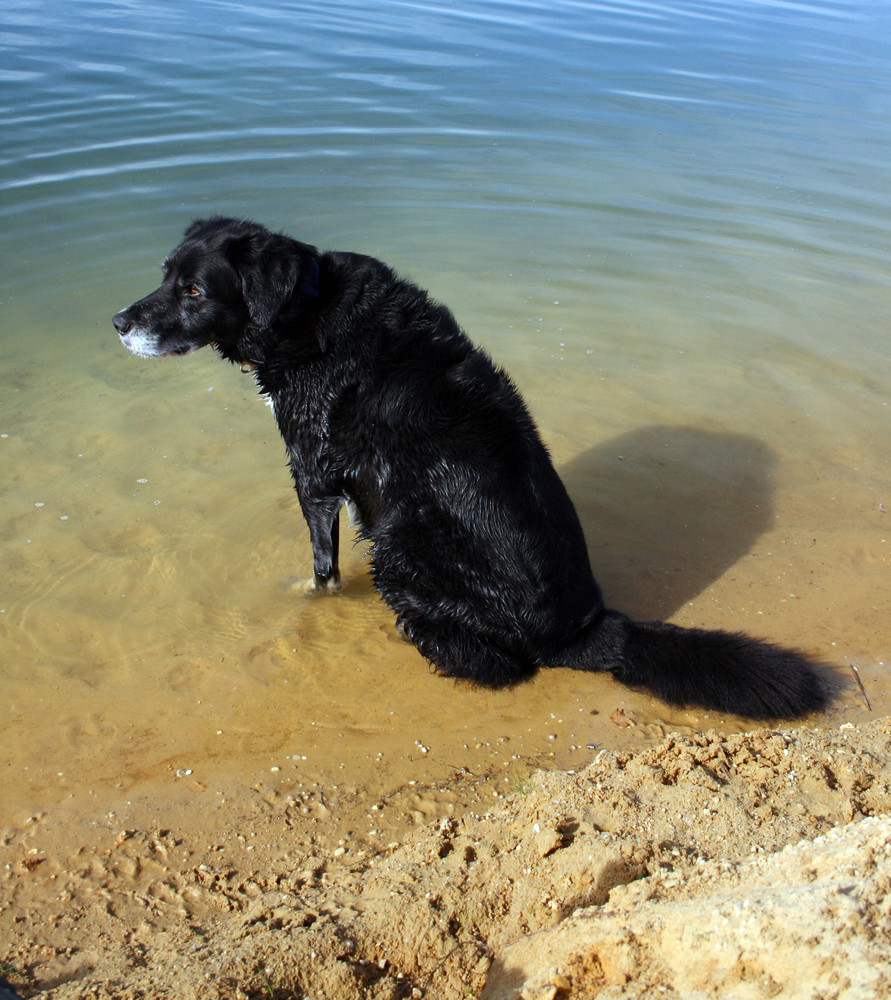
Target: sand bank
749,865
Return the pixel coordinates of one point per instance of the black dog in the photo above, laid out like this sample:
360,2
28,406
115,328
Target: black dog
385,404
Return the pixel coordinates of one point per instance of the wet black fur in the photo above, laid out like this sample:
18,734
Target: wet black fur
384,403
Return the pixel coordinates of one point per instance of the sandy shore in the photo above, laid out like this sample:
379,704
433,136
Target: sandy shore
750,865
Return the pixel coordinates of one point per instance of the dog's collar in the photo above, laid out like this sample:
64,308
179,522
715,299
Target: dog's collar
310,284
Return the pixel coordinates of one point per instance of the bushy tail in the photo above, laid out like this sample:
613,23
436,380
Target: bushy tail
724,671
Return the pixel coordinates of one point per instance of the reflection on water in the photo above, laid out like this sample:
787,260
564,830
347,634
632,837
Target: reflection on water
668,220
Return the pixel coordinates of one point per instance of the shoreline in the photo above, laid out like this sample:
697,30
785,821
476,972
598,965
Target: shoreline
576,882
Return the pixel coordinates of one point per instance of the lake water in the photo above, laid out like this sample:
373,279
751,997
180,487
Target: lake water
669,221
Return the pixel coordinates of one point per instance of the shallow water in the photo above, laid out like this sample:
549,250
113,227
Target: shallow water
669,221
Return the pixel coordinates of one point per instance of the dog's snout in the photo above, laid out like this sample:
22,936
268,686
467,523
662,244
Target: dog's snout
122,322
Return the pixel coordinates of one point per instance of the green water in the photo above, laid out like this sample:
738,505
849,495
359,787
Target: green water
669,221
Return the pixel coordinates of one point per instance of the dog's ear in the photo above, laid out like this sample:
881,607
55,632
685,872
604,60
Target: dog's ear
268,268
208,227
195,228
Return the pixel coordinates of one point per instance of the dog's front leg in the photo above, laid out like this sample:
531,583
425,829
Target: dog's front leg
322,517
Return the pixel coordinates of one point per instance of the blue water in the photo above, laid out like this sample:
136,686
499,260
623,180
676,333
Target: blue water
670,151
670,221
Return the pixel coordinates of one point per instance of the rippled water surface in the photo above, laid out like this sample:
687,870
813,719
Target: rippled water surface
669,221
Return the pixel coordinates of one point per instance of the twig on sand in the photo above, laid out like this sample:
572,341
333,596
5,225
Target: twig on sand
856,673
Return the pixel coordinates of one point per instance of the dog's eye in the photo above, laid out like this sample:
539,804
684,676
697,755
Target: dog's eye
193,290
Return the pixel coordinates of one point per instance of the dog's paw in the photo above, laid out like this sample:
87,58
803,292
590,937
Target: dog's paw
402,632
311,587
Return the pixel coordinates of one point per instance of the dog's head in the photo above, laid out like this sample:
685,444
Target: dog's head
225,284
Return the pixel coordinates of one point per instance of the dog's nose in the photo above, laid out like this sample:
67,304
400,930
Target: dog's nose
121,323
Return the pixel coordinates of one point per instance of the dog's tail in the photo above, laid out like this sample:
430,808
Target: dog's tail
725,671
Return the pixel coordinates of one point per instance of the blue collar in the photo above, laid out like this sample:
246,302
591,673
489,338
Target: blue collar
310,284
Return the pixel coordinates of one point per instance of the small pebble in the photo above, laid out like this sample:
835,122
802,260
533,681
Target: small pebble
547,842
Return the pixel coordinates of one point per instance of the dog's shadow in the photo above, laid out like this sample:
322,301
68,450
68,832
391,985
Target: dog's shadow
667,510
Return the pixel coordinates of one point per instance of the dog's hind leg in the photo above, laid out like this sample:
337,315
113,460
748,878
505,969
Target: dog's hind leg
457,652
